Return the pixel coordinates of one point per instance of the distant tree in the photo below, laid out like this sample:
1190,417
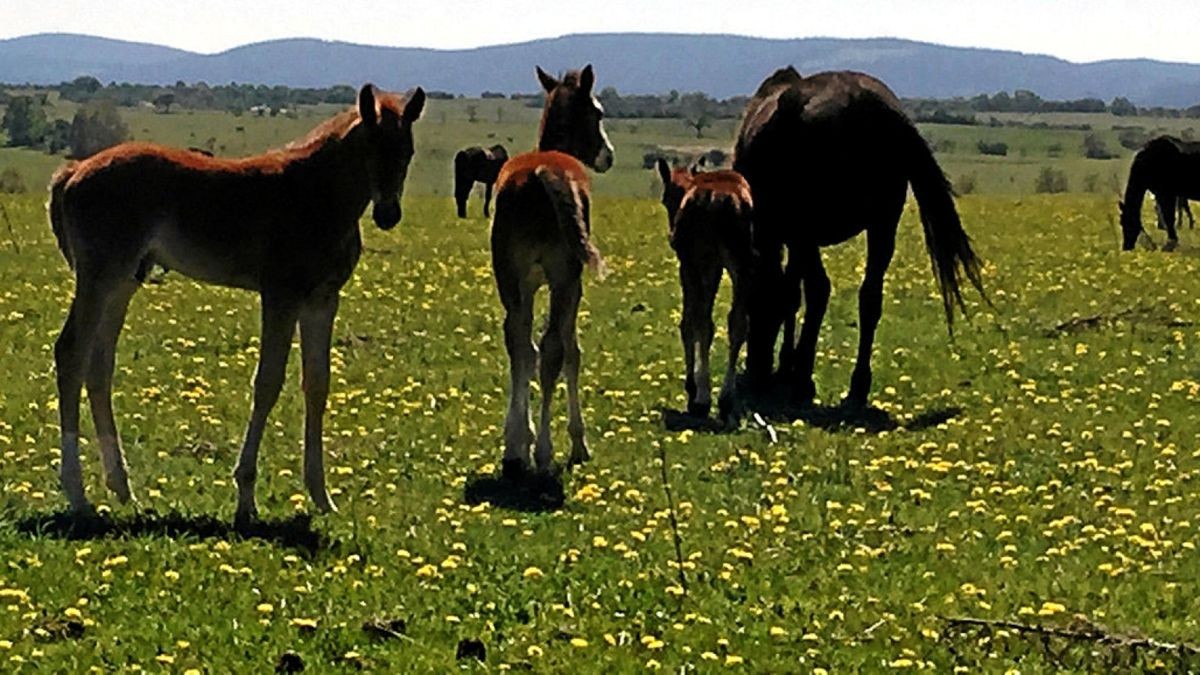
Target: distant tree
24,121
1122,107
472,113
998,148
1050,180
80,89
164,101
11,182
96,126
58,137
697,112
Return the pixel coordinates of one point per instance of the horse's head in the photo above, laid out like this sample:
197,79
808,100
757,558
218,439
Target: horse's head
675,185
386,128
1131,226
572,119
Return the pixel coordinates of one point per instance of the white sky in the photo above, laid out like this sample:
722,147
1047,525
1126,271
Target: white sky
1077,30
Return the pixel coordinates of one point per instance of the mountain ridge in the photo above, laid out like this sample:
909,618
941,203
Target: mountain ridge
720,65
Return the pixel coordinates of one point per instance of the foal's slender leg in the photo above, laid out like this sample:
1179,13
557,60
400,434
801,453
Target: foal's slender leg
881,244
738,323
278,326
703,285
687,334
551,356
816,299
316,335
99,386
517,298
569,296
72,351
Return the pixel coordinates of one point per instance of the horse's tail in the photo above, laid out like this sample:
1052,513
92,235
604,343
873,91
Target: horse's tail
571,210
54,207
463,181
948,244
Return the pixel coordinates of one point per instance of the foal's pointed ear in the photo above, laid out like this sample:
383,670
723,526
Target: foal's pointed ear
664,170
366,105
414,106
548,81
587,78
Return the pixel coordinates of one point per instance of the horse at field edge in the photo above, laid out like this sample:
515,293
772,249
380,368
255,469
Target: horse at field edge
284,224
541,235
477,165
1169,168
828,157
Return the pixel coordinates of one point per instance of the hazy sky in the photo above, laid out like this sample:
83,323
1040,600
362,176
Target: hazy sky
1078,30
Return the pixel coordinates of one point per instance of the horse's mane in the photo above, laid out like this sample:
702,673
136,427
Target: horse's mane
338,126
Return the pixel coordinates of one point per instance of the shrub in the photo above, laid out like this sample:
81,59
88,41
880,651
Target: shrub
96,126
996,148
1091,183
965,184
11,182
1095,148
1050,180
1055,150
1133,138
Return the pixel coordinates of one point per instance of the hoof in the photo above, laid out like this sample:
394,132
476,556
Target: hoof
698,409
804,393
854,402
245,519
120,488
514,470
579,455
323,503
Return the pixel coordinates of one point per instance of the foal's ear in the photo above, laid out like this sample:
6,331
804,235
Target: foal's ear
366,105
587,78
664,170
548,81
414,106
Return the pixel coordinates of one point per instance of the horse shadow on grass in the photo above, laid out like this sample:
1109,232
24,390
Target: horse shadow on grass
776,404
530,493
294,532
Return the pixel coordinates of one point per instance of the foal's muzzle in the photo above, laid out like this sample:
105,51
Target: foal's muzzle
386,214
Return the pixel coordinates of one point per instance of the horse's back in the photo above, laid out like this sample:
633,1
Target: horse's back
541,206
714,218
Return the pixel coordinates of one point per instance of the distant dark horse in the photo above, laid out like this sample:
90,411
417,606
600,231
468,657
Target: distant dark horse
827,157
472,165
1169,168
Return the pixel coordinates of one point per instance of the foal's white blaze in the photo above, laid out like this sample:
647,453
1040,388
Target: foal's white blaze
604,158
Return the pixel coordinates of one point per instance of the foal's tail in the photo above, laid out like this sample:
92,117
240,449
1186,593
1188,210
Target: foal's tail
55,208
948,244
571,209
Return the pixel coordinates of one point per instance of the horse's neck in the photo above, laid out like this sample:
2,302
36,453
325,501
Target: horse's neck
554,137
334,172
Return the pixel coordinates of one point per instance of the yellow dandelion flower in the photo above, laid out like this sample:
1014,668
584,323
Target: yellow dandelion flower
533,573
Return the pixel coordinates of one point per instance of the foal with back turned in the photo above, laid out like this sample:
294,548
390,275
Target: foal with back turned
541,236
284,224
709,214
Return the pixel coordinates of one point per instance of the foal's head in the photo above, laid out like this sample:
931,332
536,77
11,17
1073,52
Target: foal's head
571,119
386,129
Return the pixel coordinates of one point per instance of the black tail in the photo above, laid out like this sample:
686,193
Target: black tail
948,244
571,209
58,185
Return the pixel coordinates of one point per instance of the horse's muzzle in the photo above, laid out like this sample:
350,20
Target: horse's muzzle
386,215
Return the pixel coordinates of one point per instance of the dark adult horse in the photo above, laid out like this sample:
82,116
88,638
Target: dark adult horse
827,157
1169,168
477,165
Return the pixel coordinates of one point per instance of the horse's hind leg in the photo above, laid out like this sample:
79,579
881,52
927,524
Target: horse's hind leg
551,356
568,310
487,199
72,351
700,285
791,295
816,299
517,298
881,244
1169,217
738,323
99,386
316,336
278,326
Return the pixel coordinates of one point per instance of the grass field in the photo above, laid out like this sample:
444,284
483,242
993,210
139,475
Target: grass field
1043,467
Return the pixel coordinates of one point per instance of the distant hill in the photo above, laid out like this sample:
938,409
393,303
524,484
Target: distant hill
720,65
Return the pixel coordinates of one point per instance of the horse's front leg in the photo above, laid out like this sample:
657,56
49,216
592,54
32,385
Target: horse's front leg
1169,217
278,326
487,199
738,323
316,336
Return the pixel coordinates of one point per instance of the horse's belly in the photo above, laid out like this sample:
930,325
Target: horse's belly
205,256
